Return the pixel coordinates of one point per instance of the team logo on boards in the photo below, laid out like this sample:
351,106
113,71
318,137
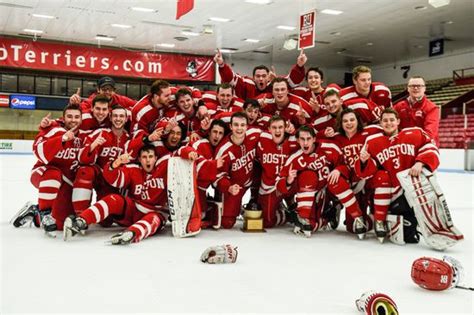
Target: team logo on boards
191,68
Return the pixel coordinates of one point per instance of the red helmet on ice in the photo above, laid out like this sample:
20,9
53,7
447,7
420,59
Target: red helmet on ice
436,274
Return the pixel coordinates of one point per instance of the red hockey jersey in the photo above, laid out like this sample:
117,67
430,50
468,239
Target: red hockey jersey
323,160
145,115
239,161
214,107
305,92
147,190
245,87
350,148
368,111
110,150
398,153
322,120
116,99
272,158
89,122
289,111
50,150
423,114
379,94
205,164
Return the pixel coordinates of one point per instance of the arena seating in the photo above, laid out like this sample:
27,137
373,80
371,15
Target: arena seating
431,86
447,93
452,131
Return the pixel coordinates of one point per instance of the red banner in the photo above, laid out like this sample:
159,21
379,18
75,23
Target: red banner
307,26
183,7
55,57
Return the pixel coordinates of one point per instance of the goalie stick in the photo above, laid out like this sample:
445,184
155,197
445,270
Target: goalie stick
464,288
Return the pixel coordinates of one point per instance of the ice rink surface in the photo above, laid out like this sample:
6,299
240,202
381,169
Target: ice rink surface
276,272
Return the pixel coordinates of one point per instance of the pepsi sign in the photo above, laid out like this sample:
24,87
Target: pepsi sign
22,102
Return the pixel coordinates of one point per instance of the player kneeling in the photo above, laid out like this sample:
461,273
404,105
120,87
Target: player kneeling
306,172
405,162
143,212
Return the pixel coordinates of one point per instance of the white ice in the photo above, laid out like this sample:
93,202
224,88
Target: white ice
276,272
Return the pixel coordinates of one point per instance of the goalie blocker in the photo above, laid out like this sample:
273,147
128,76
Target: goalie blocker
183,203
425,196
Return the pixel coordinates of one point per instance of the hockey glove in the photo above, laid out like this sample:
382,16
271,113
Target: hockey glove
222,254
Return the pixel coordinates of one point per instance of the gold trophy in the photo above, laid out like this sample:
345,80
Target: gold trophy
253,221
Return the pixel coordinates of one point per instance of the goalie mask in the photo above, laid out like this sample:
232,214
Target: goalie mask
376,303
436,274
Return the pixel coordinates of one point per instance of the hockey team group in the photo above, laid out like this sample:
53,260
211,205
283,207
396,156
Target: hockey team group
303,150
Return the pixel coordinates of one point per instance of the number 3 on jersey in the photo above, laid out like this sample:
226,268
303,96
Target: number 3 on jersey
396,162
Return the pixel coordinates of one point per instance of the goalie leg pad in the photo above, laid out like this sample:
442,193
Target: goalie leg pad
183,198
430,209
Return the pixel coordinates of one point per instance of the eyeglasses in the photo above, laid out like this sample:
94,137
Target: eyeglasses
107,89
415,86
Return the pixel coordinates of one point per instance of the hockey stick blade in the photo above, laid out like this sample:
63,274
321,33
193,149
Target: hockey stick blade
464,288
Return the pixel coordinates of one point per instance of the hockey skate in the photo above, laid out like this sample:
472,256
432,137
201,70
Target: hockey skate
122,238
302,227
280,214
332,214
48,224
25,216
291,215
359,227
72,226
380,230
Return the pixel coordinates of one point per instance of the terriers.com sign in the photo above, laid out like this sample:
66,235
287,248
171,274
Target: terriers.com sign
19,53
